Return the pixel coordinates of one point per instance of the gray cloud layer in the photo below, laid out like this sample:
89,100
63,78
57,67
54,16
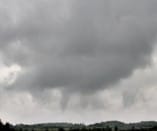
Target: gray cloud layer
77,46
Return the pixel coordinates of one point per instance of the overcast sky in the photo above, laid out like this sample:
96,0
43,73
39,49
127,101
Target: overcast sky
78,60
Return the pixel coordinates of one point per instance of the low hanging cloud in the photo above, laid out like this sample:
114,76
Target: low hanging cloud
77,46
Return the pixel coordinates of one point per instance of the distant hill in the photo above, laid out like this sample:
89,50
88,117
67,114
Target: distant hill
50,126
118,124
110,124
124,126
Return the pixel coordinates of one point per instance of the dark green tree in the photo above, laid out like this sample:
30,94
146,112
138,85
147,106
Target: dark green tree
116,128
61,129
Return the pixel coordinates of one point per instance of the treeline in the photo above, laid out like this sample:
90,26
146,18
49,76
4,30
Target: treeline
112,129
6,127
88,129
96,127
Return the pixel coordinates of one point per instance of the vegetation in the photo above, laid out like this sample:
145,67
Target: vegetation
103,126
6,127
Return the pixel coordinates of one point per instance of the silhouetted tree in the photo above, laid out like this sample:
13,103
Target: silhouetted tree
116,128
133,128
47,129
20,129
1,125
108,128
61,129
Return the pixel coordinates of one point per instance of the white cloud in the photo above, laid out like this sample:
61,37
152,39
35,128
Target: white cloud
9,74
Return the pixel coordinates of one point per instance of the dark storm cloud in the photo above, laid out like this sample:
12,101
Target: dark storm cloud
67,54
81,46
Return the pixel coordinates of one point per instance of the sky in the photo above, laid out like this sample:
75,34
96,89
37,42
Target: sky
79,61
